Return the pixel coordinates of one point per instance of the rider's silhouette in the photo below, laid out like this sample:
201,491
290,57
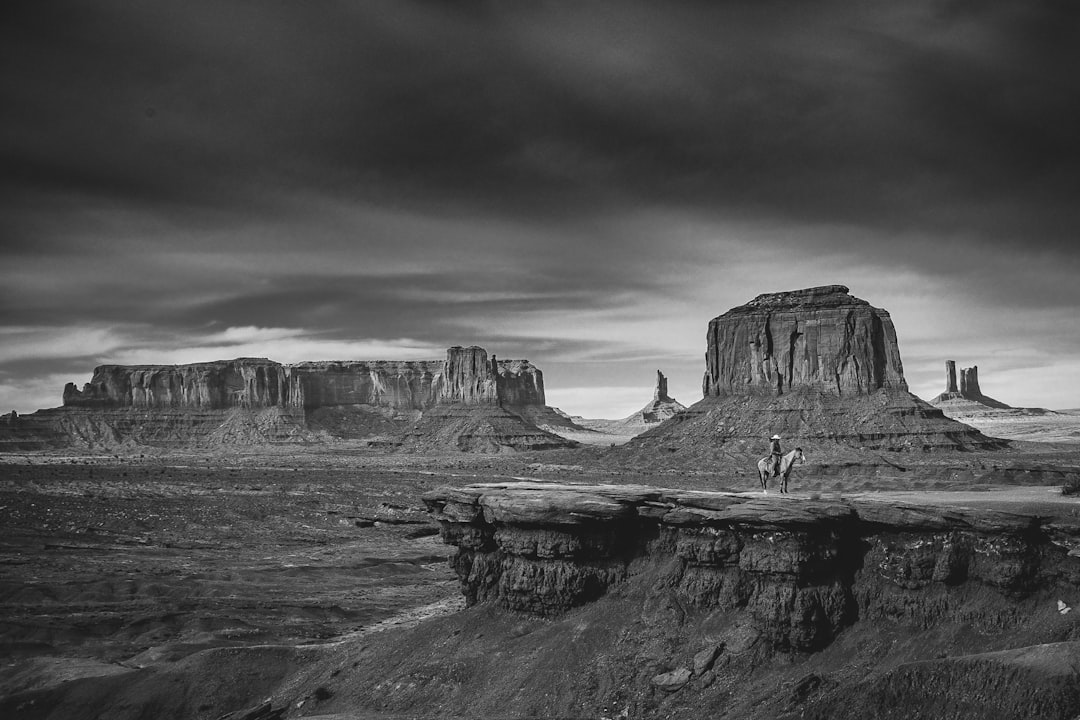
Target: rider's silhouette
774,451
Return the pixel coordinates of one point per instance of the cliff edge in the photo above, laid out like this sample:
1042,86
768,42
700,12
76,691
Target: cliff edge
861,607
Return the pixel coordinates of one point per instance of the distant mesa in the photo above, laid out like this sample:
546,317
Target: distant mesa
968,389
965,401
815,365
467,402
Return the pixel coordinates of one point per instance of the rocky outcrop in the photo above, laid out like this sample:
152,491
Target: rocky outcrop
466,377
966,403
662,407
969,381
820,338
797,572
469,377
520,384
400,385
950,376
817,366
378,402
240,383
968,390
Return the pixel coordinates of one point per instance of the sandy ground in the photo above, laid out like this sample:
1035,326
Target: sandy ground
1062,426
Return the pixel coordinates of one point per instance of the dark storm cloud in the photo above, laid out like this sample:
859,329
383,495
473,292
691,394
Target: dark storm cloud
853,112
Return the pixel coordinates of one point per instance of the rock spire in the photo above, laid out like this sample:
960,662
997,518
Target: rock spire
968,389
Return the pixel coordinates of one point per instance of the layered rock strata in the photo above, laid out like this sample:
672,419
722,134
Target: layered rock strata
466,376
966,403
381,402
244,382
797,572
820,338
662,407
968,389
817,366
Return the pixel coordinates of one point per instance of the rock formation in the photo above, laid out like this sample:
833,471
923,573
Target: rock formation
967,403
520,384
817,366
820,338
382,401
749,578
400,385
244,382
662,407
546,548
969,388
466,377
950,377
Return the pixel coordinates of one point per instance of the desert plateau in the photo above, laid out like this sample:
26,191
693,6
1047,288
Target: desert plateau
422,542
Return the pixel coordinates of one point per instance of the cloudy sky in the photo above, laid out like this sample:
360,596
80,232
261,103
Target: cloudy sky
584,184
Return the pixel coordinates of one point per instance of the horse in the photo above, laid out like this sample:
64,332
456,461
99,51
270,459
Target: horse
765,467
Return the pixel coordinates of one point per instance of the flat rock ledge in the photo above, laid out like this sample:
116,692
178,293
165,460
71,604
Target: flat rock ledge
542,504
801,568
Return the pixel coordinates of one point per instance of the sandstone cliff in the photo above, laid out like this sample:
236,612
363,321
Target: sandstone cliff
466,376
703,596
817,366
244,382
968,390
401,385
965,402
381,403
820,338
662,407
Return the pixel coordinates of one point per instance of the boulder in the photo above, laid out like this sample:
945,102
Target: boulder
672,681
703,660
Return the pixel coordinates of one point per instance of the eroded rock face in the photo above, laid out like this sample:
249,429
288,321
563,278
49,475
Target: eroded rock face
969,381
468,401
662,406
968,395
240,383
820,338
400,385
520,384
466,377
817,366
469,377
799,571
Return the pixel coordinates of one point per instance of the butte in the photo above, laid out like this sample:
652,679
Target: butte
817,366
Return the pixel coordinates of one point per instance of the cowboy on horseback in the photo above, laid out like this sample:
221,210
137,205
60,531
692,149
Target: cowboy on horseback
775,454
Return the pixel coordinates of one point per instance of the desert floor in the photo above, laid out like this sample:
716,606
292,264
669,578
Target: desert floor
134,560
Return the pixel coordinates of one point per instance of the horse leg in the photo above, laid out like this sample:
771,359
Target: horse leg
783,484
763,476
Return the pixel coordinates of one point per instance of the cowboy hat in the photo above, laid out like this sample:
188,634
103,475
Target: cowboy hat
775,437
